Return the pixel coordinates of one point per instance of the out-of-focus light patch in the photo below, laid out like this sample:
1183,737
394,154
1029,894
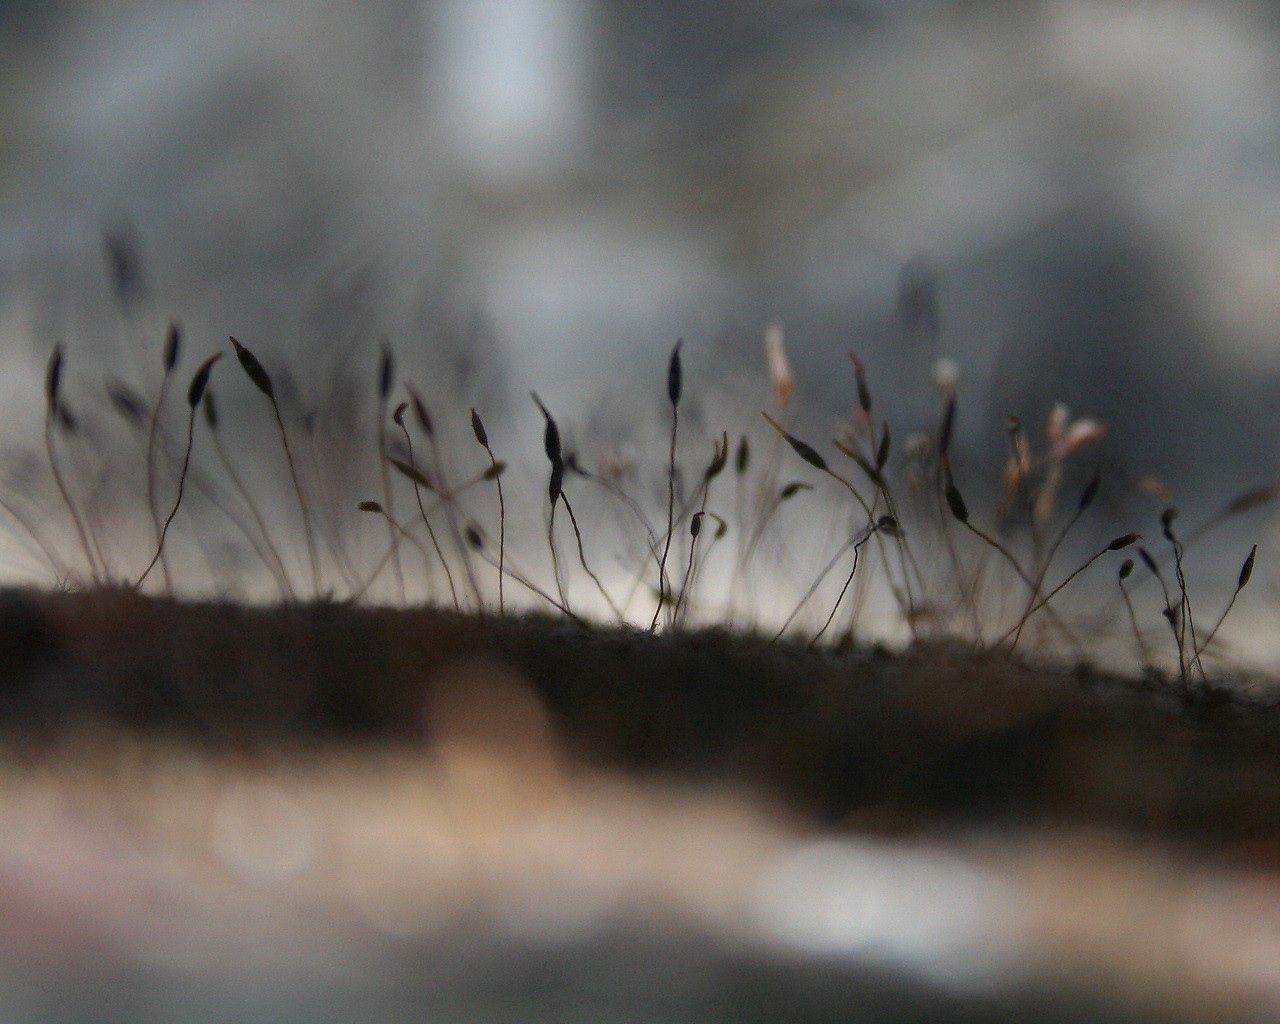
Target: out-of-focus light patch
134,73
403,873
982,192
262,831
89,862
593,274
33,811
1238,945
1243,293
614,852
781,379
510,79
1212,56
1169,934
1184,96
493,738
946,374
911,908
1248,639
180,786
561,884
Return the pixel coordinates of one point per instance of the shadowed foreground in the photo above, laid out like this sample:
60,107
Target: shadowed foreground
862,738
309,811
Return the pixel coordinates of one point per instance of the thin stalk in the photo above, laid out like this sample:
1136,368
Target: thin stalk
533,588
482,436
1137,633
757,533
385,473
671,509
1242,581
307,530
651,535
211,494
1218,625
906,603
66,495
636,511
968,594
1128,539
1053,550
903,553
813,589
906,559
705,493
1170,615
1187,620
182,483
704,557
582,557
555,558
400,531
358,593
688,572
857,549
151,472
60,571
739,517
435,542
437,461
328,520
90,504
1008,556
522,578
502,535
452,493
275,563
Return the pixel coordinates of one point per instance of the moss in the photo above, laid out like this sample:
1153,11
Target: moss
936,735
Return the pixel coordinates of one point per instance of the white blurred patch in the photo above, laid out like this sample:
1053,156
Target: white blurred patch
509,80
919,909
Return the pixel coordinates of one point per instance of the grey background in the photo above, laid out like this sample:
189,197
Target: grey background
546,193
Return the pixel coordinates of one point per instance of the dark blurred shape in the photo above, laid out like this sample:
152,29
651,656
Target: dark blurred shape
918,298
67,421
128,403
25,644
124,264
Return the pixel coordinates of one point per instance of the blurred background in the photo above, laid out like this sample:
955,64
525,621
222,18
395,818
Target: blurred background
1074,201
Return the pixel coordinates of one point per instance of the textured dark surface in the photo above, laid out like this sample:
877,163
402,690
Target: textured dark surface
939,734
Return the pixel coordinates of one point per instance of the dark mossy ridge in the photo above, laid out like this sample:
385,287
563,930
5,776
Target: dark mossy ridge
937,735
